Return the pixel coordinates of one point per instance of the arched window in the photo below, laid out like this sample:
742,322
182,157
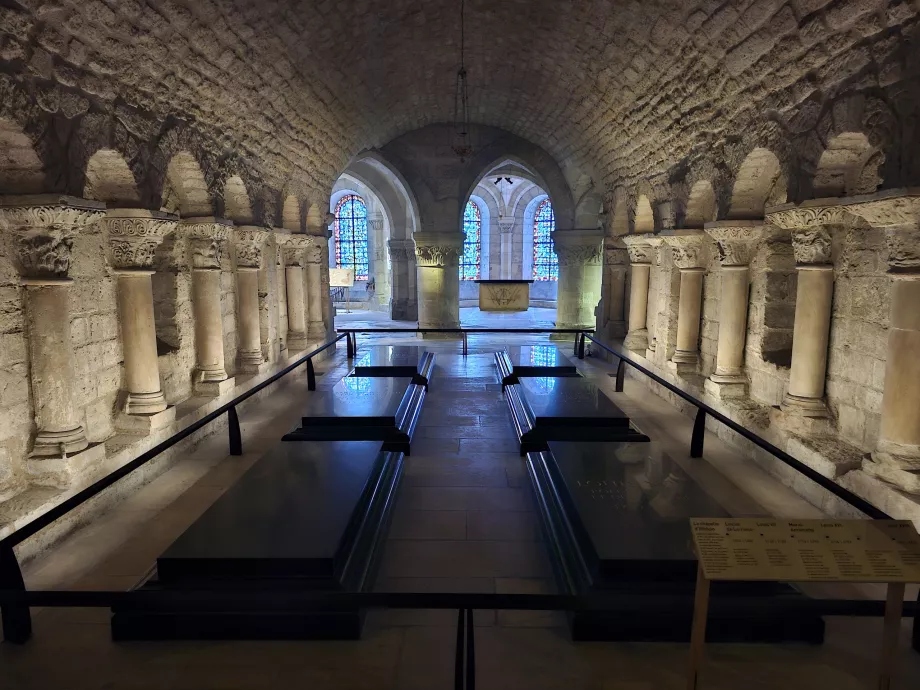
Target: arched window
545,261
472,245
350,231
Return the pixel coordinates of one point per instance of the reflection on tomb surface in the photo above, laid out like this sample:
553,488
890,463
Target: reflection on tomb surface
356,396
388,356
570,401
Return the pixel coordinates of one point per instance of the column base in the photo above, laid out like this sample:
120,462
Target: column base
615,329
682,369
297,342
62,472
721,388
891,470
637,341
215,389
804,407
145,423
440,336
210,375
791,420
254,368
316,330
55,443
685,357
144,403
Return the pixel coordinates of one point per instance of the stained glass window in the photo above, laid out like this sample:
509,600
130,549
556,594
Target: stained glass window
545,261
472,242
350,231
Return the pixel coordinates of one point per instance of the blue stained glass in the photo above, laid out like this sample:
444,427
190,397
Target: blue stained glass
545,261
472,242
350,233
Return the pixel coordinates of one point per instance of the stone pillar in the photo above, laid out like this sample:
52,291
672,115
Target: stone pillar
611,309
43,229
640,261
505,230
897,456
376,226
293,250
811,226
315,256
438,260
580,254
651,320
736,241
249,242
134,235
689,257
207,238
403,306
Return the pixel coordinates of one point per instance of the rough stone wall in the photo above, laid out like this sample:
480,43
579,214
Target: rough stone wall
174,317
15,388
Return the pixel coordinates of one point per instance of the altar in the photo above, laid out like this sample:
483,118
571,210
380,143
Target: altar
504,295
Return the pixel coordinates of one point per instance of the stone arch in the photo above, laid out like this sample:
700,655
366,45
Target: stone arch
588,210
108,178
848,166
644,219
237,206
701,205
618,223
290,214
759,183
396,196
185,191
21,170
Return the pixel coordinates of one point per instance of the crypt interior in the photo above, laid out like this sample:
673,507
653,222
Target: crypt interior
197,196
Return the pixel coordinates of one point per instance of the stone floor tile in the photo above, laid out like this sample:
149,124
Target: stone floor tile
428,524
489,445
492,525
464,559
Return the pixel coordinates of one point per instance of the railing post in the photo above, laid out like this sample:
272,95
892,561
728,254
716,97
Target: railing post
233,426
458,653
581,345
915,637
17,619
621,374
699,429
465,658
575,349
354,343
350,351
465,348
311,375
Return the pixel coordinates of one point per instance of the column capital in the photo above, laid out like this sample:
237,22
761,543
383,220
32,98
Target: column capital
686,248
375,222
737,240
249,241
134,235
505,225
811,224
433,249
293,248
898,212
44,227
641,250
207,236
578,247
401,250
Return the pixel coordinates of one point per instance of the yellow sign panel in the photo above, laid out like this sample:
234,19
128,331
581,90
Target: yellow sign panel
341,277
807,550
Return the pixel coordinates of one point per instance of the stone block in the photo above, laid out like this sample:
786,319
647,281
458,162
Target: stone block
12,348
14,384
62,473
826,455
215,389
144,424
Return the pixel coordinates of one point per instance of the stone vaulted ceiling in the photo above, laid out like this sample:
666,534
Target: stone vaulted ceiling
616,90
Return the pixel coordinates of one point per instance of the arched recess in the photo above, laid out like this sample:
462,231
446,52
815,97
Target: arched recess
759,183
848,166
316,219
644,219
530,211
701,205
588,210
618,224
487,209
290,214
185,191
237,206
21,170
109,179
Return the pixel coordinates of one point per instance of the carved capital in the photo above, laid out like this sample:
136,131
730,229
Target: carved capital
790,217
207,238
375,222
44,232
401,250
435,249
505,225
812,246
249,241
900,207
686,248
903,248
736,242
134,235
294,248
578,247
639,248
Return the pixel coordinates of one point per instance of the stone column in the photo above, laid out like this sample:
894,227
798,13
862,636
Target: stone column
207,238
689,257
505,230
376,225
134,235
651,320
640,261
315,256
438,260
402,256
580,254
611,309
811,226
42,231
897,456
249,242
293,251
736,241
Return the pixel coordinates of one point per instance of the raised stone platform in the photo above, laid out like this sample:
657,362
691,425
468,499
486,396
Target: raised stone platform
565,409
532,361
395,361
363,409
306,516
615,518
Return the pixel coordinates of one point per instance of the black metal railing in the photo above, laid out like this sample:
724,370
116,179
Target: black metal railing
463,332
17,624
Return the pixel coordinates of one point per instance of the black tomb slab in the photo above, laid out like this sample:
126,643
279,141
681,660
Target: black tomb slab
306,517
565,409
363,409
616,521
391,361
531,361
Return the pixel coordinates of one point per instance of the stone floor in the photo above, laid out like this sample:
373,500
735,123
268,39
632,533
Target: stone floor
462,522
